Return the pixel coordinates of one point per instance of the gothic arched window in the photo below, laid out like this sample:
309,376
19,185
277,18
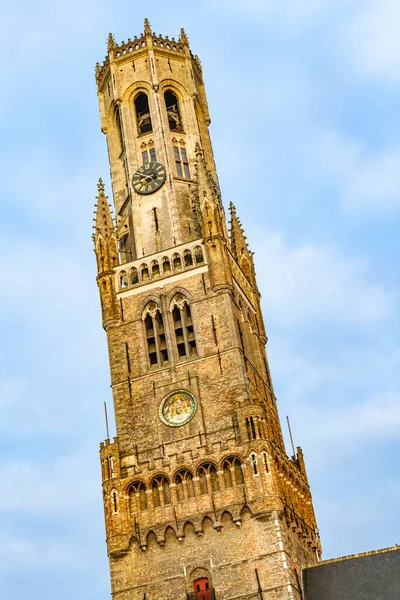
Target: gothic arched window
155,335
137,498
177,262
134,276
161,491
155,269
143,117
166,265
233,474
123,279
183,327
187,258
198,255
208,478
173,112
184,485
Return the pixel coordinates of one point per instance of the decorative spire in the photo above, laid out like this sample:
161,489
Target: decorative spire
98,70
237,238
147,27
104,225
183,38
110,42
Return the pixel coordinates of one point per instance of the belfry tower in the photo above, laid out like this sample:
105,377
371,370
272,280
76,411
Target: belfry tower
201,500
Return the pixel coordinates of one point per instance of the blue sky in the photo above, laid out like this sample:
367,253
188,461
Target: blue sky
304,100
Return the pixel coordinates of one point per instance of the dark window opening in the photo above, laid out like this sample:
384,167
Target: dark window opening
156,340
173,112
187,257
166,265
184,332
198,255
176,259
134,276
143,118
145,272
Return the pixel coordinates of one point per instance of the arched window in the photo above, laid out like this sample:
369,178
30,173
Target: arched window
155,269
184,485
176,261
161,491
133,276
166,265
187,258
253,429
144,272
137,498
155,335
114,498
173,112
198,255
208,479
233,474
253,458
123,280
143,118
183,326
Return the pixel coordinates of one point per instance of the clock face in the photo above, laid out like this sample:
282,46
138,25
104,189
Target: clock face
149,178
177,408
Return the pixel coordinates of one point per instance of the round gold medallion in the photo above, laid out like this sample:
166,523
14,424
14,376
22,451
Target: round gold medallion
177,408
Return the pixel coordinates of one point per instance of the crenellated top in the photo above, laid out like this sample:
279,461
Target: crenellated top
141,43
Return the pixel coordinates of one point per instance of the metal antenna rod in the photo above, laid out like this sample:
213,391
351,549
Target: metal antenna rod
291,437
106,415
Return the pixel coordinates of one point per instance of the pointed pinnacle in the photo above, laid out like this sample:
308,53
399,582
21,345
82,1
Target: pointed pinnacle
100,186
232,208
183,38
110,42
147,27
98,69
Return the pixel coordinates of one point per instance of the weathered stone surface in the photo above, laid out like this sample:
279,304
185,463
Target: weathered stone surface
216,497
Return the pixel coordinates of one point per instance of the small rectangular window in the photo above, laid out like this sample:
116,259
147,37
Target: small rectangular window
145,156
178,161
185,163
153,156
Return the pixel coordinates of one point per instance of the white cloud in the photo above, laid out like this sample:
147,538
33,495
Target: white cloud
372,41
317,282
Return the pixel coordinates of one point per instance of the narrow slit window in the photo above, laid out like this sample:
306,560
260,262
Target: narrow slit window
153,155
185,163
156,340
178,163
145,156
184,331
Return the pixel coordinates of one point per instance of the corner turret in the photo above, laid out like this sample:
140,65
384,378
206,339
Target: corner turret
105,247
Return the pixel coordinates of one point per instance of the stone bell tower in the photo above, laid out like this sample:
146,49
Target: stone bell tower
200,499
